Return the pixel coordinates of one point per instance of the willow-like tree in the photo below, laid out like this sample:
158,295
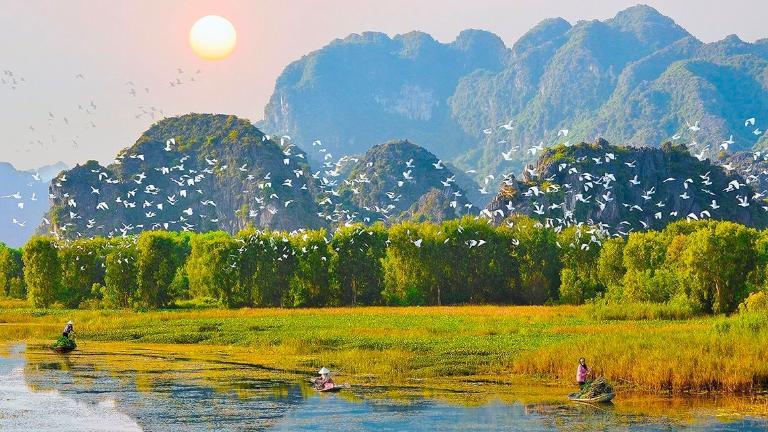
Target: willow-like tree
357,265
11,273
160,255
42,271
120,276
82,266
716,264
538,255
311,281
213,267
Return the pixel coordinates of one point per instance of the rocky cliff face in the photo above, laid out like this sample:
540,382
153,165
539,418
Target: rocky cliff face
625,189
371,88
197,172
637,78
395,181
752,166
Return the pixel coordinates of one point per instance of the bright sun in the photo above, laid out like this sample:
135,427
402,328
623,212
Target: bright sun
212,37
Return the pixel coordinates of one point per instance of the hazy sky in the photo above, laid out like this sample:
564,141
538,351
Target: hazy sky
112,42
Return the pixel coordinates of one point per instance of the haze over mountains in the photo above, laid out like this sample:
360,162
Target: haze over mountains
410,128
636,79
23,200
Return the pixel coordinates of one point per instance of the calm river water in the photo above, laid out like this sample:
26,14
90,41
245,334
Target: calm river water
150,391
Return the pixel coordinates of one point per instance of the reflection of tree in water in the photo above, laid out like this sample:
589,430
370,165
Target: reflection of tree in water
166,392
160,394
588,417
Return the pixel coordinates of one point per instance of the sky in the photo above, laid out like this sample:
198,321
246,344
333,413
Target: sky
82,59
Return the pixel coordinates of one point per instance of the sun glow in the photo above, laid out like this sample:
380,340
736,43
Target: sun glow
212,37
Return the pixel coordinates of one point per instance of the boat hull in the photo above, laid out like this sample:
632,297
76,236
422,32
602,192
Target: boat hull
603,398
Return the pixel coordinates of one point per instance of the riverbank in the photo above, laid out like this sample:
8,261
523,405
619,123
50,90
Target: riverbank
399,345
168,387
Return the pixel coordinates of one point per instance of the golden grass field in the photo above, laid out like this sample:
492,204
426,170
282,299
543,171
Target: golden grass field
486,343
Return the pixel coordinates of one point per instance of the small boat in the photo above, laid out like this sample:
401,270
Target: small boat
64,350
603,398
333,389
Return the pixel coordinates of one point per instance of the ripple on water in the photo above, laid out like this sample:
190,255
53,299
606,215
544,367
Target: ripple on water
87,394
22,409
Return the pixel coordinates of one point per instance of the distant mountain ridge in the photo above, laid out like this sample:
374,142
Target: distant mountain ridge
23,200
400,84
637,79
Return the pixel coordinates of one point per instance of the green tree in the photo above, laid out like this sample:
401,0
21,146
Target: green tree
411,273
11,273
213,267
610,267
120,276
476,262
267,262
716,263
644,259
160,254
356,265
82,266
538,255
580,249
42,271
311,281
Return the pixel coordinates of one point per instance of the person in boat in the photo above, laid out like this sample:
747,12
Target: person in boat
582,371
68,329
324,381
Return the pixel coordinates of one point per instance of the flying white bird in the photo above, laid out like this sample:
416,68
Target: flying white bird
507,126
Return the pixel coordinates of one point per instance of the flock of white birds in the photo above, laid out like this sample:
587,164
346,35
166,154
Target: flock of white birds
190,191
198,205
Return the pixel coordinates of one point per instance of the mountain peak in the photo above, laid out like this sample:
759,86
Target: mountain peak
471,39
399,179
218,173
648,25
543,32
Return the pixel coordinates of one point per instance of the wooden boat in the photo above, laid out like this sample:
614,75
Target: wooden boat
603,398
334,389
63,350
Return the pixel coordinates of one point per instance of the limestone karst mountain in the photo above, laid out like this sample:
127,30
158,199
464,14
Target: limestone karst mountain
636,79
625,188
399,180
198,172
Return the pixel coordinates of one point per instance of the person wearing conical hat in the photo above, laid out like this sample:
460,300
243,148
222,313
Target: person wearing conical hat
324,381
69,328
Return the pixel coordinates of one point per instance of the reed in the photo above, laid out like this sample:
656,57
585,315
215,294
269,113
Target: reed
718,354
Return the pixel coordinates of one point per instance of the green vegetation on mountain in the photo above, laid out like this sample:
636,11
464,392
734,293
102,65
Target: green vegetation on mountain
399,180
637,79
196,172
624,189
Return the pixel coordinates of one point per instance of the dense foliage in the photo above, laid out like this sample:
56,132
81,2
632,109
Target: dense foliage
694,267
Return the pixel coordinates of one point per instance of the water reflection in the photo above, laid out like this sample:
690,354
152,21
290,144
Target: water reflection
158,392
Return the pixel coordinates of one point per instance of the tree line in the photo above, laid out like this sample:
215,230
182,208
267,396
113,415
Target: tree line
709,266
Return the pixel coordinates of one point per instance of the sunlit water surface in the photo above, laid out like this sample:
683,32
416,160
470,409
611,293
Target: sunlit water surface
142,390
